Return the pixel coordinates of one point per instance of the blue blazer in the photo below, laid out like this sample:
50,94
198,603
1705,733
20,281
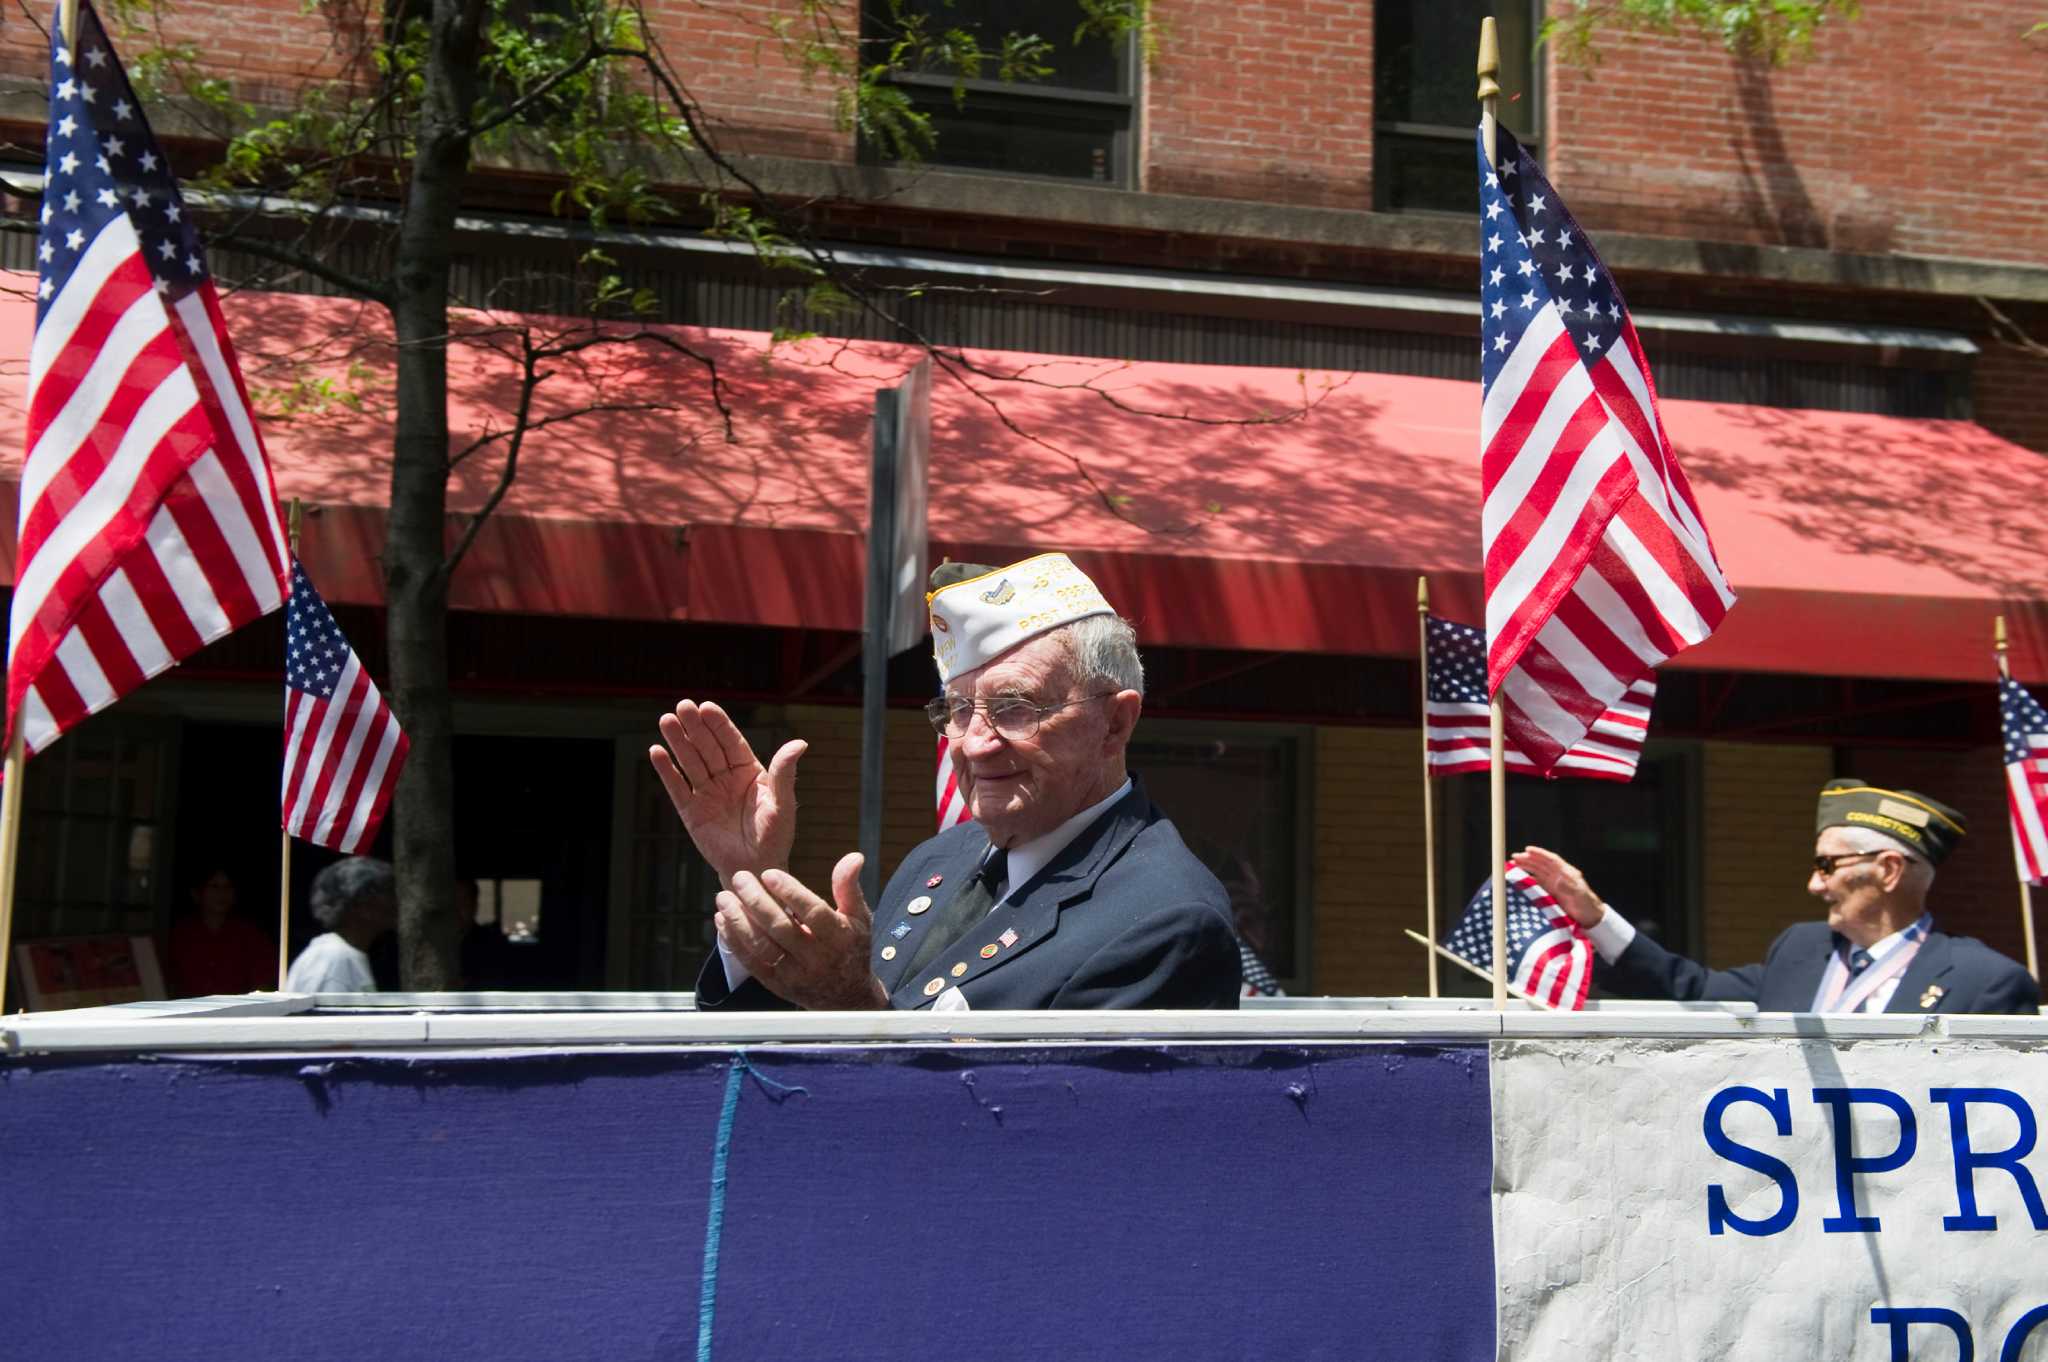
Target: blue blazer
1950,974
1125,916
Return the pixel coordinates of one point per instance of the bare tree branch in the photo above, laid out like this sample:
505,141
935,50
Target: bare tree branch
2011,333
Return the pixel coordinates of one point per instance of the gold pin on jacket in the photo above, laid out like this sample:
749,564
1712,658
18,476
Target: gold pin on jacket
931,990
1932,996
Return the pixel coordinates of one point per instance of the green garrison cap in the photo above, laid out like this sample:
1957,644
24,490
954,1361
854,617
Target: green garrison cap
1913,820
946,574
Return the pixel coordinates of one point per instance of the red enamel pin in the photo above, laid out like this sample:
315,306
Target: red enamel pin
935,881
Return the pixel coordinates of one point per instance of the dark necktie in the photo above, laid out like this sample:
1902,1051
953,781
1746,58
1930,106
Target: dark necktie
967,907
1859,961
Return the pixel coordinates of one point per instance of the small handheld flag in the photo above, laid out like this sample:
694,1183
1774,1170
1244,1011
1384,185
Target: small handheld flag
2025,725
1598,566
1549,957
1456,715
342,747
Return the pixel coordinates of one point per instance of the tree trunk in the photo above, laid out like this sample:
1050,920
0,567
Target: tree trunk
415,544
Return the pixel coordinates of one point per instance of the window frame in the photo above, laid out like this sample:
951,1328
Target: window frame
1027,95
1384,131
1300,981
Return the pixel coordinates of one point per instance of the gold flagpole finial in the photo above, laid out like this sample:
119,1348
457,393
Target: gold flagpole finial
1489,59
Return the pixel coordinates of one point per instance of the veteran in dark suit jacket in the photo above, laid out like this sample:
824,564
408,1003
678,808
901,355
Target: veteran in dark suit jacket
1875,853
1069,888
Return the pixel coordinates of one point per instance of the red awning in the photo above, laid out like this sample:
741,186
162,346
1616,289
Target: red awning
1220,507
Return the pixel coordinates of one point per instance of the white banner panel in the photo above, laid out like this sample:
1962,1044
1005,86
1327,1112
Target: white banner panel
1771,1198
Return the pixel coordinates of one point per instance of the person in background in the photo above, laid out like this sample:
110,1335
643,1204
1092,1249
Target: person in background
213,950
356,900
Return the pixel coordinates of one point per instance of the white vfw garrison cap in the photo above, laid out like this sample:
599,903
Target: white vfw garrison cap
979,613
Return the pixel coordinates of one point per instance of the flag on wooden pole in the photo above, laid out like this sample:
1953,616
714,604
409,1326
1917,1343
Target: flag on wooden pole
1455,715
1598,566
149,523
1549,957
2025,726
342,746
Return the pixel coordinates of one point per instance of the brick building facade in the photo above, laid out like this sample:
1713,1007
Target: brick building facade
1276,183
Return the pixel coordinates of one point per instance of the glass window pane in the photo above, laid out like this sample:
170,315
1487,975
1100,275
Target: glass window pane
1424,53
993,132
1233,799
1093,63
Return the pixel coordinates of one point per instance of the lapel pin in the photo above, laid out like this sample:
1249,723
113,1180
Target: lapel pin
888,952
1009,936
919,904
959,969
935,881
1931,996
931,990
990,949
901,929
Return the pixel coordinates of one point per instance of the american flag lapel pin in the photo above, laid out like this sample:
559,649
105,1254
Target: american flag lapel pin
935,881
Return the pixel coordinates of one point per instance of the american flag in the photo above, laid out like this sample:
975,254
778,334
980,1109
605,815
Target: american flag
1598,567
149,522
342,747
1455,713
1549,957
1257,976
2026,776
951,806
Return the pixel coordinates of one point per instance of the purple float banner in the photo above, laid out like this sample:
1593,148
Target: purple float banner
1130,1202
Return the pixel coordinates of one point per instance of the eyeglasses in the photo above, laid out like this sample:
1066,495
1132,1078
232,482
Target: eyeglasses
1825,865
1011,716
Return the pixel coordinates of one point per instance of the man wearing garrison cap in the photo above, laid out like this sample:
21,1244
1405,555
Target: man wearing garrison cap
1069,889
1878,951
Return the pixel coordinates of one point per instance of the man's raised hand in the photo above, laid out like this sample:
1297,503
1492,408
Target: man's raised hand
1565,883
801,948
741,815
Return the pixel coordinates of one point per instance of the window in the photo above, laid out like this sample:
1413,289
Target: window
1075,123
1637,843
1424,109
91,837
1237,795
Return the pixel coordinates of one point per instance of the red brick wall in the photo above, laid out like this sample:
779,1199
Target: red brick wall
1897,136
1262,99
2010,391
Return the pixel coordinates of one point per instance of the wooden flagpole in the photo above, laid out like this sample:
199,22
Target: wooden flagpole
1462,963
17,756
10,845
2026,890
1489,97
284,853
1428,794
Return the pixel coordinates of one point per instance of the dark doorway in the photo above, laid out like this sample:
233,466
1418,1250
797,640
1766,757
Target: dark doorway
534,813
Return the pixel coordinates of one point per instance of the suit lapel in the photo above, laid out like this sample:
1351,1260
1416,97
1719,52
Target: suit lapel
1801,974
1934,959
1027,917
899,931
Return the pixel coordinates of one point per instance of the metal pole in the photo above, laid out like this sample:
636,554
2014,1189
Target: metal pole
10,847
874,714
1489,95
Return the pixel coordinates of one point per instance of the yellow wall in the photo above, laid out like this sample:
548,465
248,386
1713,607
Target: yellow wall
1756,844
828,787
1369,873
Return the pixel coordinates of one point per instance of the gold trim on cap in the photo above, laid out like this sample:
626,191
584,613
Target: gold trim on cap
1894,794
